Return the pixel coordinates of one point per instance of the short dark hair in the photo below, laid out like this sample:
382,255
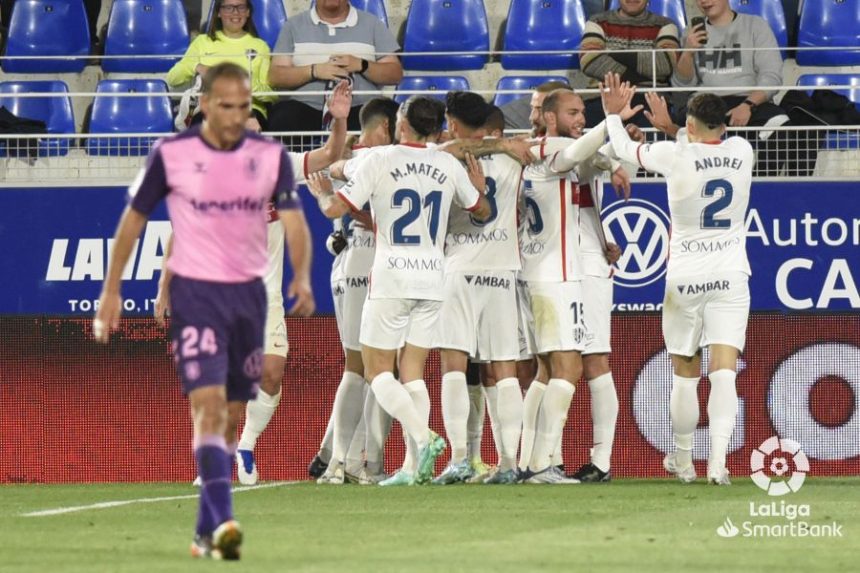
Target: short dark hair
468,107
223,70
551,86
377,109
708,108
496,119
424,114
216,25
550,102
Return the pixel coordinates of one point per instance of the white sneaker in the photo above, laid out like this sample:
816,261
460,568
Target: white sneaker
552,476
246,467
367,478
687,474
334,475
718,475
198,481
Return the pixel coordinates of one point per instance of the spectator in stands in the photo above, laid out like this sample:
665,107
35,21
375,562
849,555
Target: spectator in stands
316,49
727,61
232,38
631,27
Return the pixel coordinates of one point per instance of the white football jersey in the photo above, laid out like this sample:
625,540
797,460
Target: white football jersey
361,244
549,242
492,245
709,189
592,237
410,189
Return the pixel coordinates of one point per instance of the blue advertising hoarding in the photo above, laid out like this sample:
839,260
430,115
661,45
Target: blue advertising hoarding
803,241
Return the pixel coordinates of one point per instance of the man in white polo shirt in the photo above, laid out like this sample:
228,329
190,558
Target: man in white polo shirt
316,49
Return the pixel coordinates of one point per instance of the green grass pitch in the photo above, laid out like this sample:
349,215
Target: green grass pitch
627,525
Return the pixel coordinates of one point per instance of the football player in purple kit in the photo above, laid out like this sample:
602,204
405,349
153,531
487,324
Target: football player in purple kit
217,180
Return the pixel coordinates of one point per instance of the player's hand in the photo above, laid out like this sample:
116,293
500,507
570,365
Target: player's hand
300,290
201,70
348,62
107,316
658,113
696,37
476,173
363,219
319,185
330,71
739,116
162,305
340,100
621,183
616,95
629,112
635,133
612,253
519,149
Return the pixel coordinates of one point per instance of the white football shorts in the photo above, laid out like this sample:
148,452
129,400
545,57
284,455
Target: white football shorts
706,309
597,299
387,323
525,322
349,294
557,308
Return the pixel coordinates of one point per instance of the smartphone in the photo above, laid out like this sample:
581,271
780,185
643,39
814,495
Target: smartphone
695,23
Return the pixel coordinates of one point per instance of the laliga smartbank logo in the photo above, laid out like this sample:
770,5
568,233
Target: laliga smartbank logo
779,467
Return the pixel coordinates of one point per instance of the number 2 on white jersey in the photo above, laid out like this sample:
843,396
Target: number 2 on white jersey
709,213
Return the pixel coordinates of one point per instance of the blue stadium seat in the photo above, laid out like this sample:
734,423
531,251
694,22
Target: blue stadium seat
771,11
853,80
122,114
269,18
441,84
47,28
457,26
521,83
672,9
145,27
56,112
543,25
833,23
838,140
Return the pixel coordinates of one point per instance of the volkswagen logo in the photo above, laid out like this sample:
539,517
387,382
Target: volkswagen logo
641,228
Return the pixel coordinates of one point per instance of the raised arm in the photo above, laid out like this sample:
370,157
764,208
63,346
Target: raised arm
517,148
332,206
339,105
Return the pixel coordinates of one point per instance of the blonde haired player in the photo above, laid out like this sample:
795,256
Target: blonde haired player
707,292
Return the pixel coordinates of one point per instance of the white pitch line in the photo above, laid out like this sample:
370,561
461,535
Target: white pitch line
107,504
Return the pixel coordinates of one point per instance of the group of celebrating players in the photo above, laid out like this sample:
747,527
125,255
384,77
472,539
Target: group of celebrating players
489,249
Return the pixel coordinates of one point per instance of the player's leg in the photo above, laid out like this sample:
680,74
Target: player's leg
347,412
509,415
478,379
455,413
531,408
377,424
604,414
725,322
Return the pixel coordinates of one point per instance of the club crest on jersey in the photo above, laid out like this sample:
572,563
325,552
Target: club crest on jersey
251,167
641,228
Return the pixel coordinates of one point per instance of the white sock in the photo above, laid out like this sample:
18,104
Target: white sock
347,409
684,411
722,411
417,390
455,412
510,421
551,421
395,400
531,407
557,459
257,415
377,424
491,393
355,453
475,423
604,414
328,439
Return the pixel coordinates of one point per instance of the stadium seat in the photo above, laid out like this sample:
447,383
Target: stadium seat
543,25
122,114
56,112
521,83
441,84
47,28
672,9
771,11
829,23
853,80
269,18
456,26
145,27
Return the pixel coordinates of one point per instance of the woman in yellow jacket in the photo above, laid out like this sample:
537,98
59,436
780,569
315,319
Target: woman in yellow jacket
232,38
